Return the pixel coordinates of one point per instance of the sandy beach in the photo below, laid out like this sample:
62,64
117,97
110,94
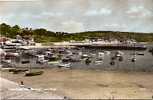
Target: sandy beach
90,84
13,90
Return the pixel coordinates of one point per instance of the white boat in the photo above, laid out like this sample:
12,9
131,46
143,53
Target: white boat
67,65
133,59
107,52
119,54
41,59
101,55
7,61
84,56
54,62
98,62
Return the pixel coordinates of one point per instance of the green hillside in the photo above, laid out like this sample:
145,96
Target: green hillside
43,35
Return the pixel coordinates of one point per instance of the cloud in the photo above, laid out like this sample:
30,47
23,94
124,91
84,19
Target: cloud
115,25
17,0
80,15
139,11
72,26
51,14
102,11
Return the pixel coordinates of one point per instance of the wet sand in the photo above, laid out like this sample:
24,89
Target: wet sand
12,90
91,84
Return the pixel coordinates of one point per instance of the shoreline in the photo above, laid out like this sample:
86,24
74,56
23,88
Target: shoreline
89,84
12,90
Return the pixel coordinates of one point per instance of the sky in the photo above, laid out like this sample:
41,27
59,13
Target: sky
79,15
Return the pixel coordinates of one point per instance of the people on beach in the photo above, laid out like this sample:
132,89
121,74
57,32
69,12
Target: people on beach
22,84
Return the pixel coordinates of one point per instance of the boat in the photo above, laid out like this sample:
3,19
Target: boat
84,56
98,61
35,73
25,61
140,53
107,52
65,65
41,59
66,59
151,50
112,62
54,62
133,59
88,61
120,58
101,55
119,54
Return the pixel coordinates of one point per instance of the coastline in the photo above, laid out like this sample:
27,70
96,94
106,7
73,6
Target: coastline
91,84
12,90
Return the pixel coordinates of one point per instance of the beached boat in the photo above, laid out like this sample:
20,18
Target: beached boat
65,65
34,73
54,63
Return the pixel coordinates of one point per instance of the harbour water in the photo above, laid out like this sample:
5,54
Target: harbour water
143,62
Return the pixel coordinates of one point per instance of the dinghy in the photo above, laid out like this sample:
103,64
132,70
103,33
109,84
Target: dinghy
64,65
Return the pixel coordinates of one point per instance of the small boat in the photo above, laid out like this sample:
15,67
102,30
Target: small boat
69,53
107,52
120,58
66,59
25,61
16,71
133,59
101,55
65,65
151,50
54,62
113,58
98,61
41,59
119,54
52,58
88,61
7,61
112,62
10,55
7,69
140,53
48,54
84,56
29,73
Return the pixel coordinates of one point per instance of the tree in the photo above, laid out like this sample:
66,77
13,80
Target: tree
15,30
5,29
